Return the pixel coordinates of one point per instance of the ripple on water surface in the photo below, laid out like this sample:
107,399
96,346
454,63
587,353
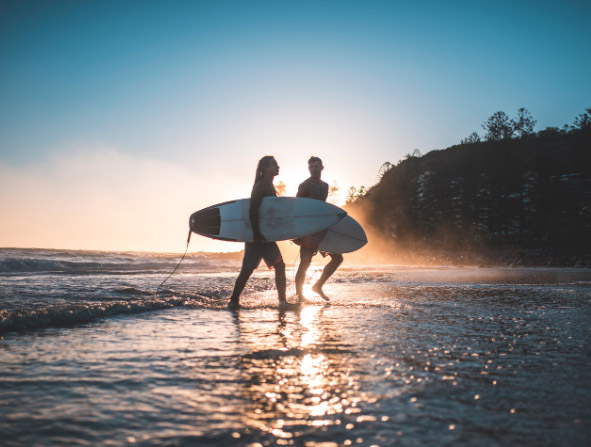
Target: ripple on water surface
388,363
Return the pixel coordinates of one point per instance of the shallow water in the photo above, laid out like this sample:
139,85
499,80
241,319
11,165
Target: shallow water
401,356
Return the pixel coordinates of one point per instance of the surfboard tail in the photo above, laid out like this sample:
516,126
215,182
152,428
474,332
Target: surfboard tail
206,222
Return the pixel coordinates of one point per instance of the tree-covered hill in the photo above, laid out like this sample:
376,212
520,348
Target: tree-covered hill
524,200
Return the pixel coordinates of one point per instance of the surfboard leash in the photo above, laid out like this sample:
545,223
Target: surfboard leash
178,265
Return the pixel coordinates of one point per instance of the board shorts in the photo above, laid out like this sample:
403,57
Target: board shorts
309,244
253,253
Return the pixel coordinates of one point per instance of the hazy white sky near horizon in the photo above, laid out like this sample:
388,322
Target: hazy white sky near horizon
119,119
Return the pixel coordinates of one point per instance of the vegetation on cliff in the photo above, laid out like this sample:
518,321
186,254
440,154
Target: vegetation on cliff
514,195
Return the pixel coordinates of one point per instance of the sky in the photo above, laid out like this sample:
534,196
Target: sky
118,119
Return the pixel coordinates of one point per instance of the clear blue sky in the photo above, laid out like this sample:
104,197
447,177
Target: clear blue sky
212,86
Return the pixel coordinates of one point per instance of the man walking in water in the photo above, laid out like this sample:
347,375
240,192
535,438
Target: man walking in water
314,188
267,169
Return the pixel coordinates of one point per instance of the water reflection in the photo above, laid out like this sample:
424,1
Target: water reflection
296,375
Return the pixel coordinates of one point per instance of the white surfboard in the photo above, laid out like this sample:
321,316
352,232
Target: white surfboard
344,237
280,218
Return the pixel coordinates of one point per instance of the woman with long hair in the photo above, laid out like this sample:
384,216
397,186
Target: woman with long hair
254,252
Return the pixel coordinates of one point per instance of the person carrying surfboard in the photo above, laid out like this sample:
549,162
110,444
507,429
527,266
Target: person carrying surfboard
260,249
314,188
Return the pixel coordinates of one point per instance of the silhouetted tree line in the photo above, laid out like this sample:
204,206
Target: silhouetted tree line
516,190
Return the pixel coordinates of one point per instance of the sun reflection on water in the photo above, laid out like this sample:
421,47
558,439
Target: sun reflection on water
297,379
308,316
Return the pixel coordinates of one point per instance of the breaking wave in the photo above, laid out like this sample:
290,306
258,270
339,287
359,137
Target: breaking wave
16,261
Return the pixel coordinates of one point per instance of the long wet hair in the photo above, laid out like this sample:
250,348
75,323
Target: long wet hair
263,163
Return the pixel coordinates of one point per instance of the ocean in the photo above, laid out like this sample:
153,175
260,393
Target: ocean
401,356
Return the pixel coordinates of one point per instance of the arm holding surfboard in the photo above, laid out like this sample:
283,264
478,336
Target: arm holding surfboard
260,189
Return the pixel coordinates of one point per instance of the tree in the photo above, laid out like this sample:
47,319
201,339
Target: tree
472,138
383,169
354,194
498,127
415,154
524,123
332,193
351,194
550,132
280,188
583,121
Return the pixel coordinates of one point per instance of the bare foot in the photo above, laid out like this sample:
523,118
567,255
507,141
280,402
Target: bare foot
233,305
318,289
301,298
284,305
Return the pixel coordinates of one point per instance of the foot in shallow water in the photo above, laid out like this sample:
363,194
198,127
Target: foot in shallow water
301,299
318,289
284,305
233,305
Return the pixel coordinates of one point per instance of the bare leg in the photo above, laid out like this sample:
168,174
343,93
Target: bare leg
331,267
239,286
305,260
280,281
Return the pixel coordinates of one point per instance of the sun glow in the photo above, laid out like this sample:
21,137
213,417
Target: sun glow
101,198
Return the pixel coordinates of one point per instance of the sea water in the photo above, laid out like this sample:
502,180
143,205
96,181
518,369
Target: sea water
407,356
